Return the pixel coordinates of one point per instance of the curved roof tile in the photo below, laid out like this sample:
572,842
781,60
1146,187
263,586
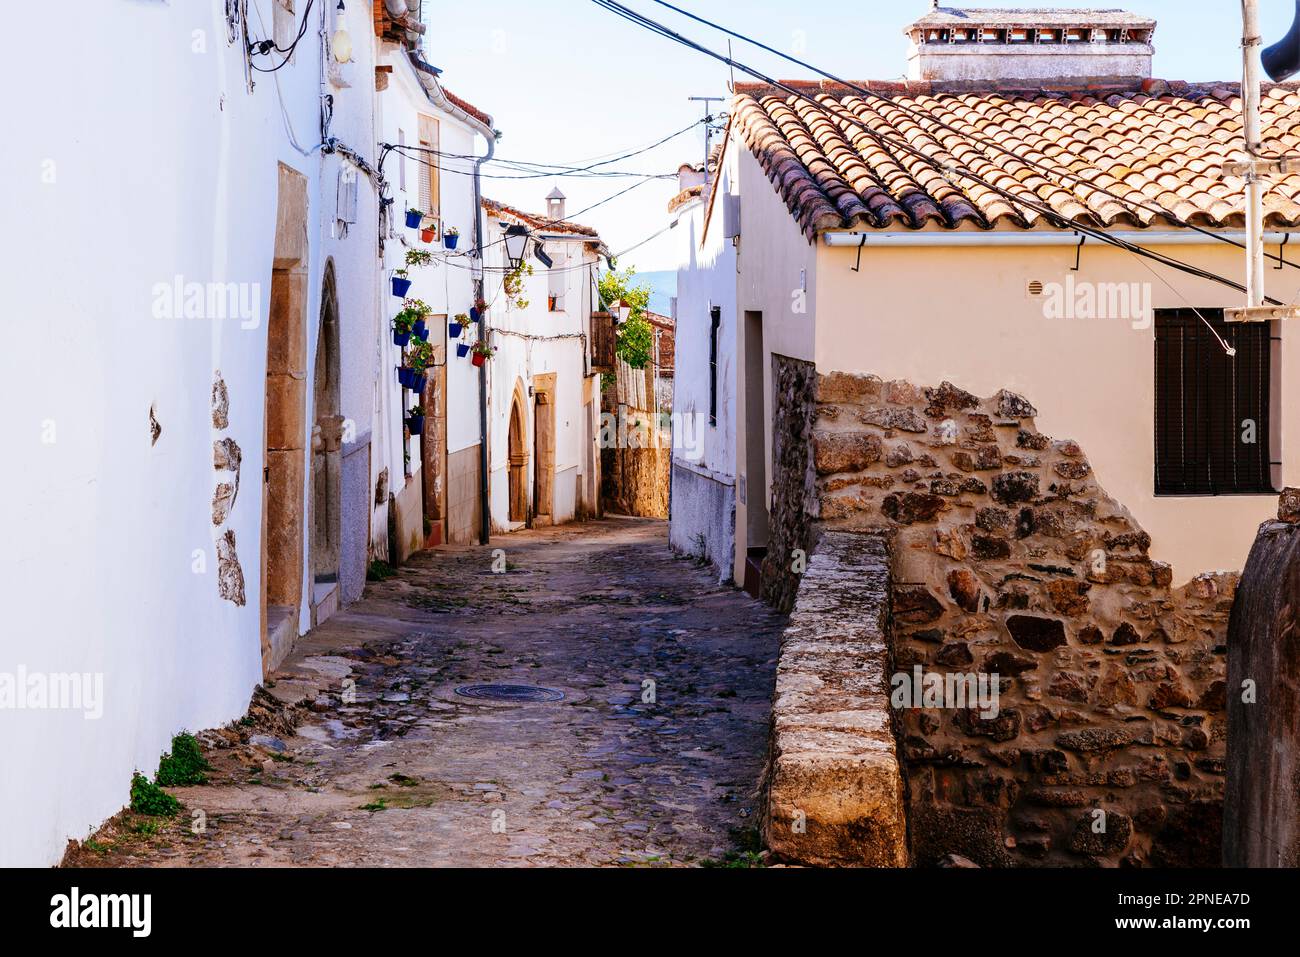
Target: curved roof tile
835,156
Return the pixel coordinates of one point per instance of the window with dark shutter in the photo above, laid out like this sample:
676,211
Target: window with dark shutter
1212,409
715,323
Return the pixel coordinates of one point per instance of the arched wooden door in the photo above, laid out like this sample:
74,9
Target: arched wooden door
518,462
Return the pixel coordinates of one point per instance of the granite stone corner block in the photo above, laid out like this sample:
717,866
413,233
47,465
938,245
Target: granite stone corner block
834,787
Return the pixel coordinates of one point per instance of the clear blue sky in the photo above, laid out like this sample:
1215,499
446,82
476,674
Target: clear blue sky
567,81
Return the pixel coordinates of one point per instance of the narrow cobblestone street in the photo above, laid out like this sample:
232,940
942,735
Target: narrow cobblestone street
412,773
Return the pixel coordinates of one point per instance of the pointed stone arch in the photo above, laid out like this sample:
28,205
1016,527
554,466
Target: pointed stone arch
326,453
518,455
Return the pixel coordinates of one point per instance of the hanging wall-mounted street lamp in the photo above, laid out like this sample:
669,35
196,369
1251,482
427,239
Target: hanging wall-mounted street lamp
621,311
516,244
341,42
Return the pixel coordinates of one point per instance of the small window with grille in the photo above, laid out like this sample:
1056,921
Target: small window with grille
1212,409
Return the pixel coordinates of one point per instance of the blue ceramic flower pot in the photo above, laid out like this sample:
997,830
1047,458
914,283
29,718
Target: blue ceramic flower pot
415,423
454,329
401,287
413,219
401,338
462,349
450,241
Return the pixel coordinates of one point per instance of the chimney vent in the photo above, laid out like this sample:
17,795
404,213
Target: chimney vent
951,44
555,205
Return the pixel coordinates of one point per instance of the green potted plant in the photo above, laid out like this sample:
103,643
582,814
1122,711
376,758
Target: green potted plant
417,257
482,353
401,284
402,328
450,236
413,218
457,325
479,309
416,311
419,358
415,419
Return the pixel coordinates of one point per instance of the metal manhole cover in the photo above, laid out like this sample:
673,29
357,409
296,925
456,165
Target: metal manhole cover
509,693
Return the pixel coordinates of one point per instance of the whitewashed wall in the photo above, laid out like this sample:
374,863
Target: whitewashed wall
531,342
702,515
446,284
116,573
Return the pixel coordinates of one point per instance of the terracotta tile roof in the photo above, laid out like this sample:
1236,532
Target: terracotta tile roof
665,326
468,107
533,221
685,196
1162,145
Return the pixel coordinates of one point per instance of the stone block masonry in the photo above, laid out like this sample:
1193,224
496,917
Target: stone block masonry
1010,559
834,787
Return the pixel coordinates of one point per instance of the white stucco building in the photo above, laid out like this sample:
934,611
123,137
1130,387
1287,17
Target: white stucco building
702,514
429,132
867,253
545,398
203,380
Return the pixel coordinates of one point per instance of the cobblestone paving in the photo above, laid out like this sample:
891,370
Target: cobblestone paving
602,777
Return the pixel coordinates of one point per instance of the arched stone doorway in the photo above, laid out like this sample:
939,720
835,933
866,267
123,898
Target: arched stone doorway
326,457
286,427
518,464
544,449
519,457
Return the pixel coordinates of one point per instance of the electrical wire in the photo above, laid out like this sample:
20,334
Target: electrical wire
407,151
279,93
257,48
927,117
1047,212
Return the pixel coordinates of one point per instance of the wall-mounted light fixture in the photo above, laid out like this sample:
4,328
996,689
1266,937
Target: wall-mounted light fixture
341,42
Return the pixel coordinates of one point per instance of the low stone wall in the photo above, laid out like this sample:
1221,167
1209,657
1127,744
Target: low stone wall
834,788
1107,746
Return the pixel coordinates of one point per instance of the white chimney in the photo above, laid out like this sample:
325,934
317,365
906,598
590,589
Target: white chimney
689,176
555,205
1040,45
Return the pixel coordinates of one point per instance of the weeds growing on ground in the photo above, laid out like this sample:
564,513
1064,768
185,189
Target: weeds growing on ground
184,765
379,571
148,798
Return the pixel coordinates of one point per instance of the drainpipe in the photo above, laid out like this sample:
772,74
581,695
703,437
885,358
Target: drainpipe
485,523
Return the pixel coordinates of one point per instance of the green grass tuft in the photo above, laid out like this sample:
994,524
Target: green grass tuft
184,765
148,798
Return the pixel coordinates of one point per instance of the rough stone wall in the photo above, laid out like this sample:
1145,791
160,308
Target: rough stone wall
793,481
635,481
834,790
1012,560
1262,823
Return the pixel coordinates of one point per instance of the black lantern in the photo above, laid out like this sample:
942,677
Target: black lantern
516,244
